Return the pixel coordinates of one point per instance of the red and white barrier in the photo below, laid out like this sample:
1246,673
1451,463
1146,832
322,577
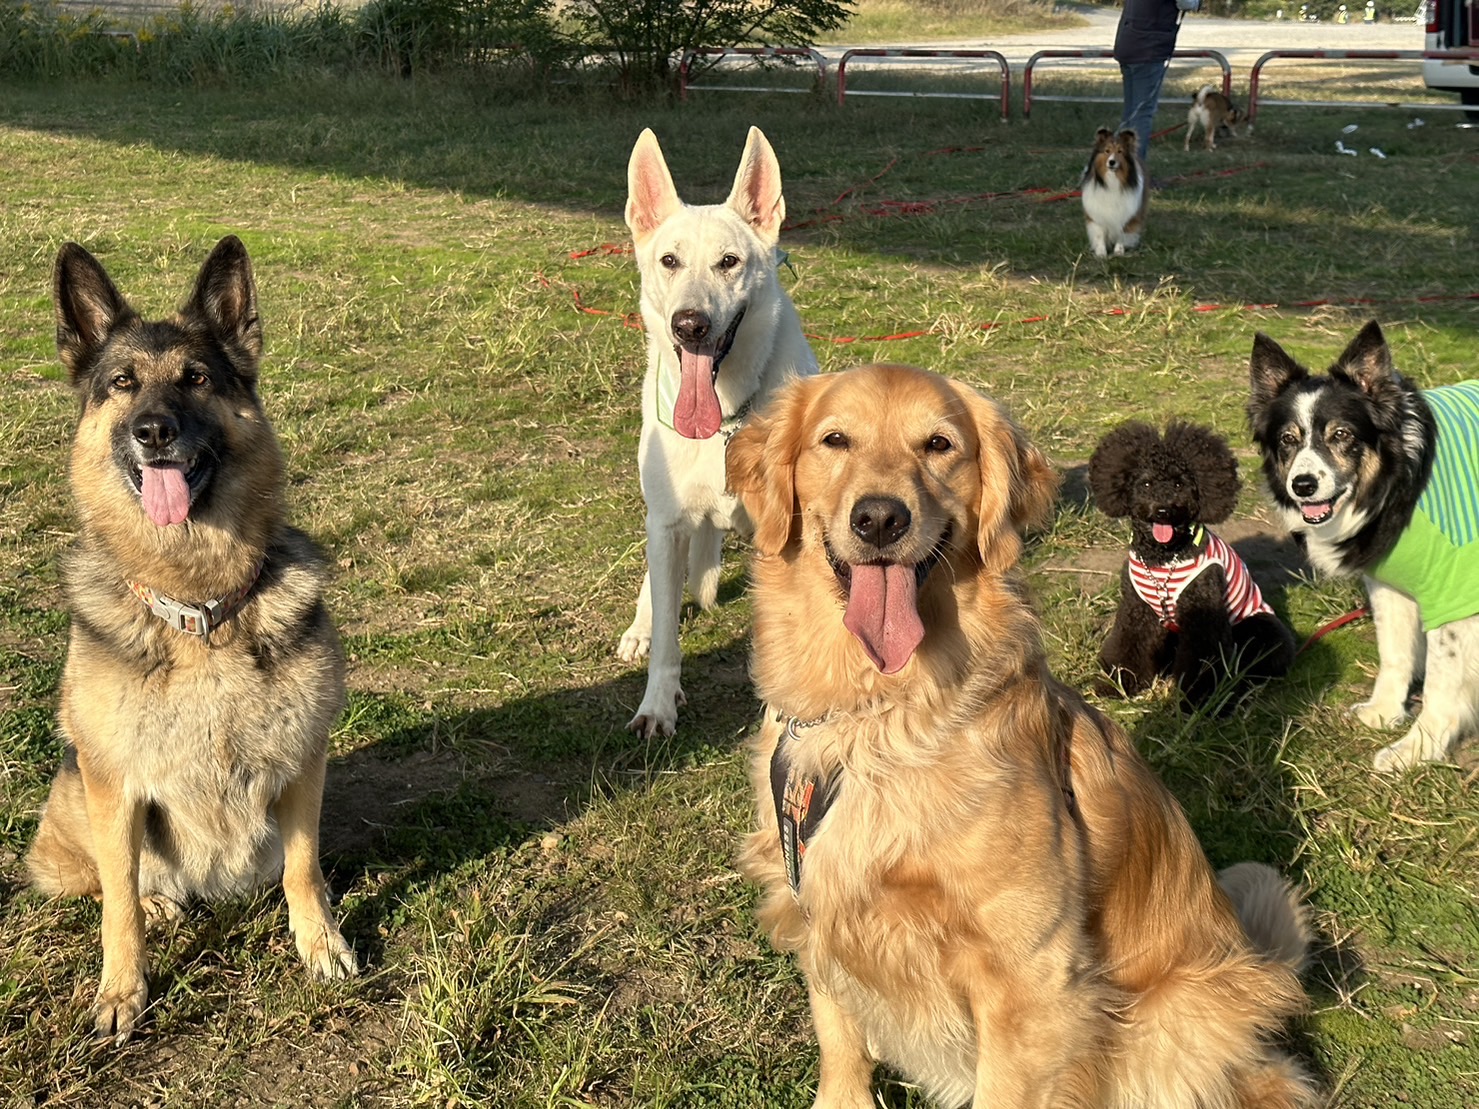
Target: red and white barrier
1097,55
721,52
1005,96
1471,56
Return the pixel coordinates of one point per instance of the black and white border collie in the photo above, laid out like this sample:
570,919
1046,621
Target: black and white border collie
1375,477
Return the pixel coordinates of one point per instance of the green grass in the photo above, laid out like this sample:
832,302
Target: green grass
547,907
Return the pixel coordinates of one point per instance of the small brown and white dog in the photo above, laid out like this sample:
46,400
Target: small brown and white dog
1210,110
986,887
1115,193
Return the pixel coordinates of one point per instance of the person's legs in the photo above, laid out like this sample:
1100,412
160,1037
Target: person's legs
1142,85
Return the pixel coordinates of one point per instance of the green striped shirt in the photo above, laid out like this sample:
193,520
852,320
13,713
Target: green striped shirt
1436,560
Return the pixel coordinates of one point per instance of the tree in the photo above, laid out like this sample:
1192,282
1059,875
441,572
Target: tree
647,38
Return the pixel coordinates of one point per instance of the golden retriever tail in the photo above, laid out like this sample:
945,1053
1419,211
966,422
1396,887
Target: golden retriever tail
1271,912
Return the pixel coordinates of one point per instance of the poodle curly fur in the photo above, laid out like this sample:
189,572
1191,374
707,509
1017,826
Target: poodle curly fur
1174,482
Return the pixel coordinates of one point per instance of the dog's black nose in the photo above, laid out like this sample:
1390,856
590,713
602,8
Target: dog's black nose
690,325
154,431
1304,485
879,521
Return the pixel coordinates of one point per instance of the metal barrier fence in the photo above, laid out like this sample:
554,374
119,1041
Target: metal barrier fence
1471,56
1255,99
1096,55
720,52
1005,96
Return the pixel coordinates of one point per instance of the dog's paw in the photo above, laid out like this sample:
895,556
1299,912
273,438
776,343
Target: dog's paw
325,953
634,644
1119,250
1414,748
658,716
160,910
117,1010
1379,714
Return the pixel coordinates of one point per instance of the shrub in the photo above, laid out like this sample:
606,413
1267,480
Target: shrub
646,38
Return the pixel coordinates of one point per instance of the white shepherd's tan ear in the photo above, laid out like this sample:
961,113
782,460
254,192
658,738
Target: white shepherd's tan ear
651,197
756,195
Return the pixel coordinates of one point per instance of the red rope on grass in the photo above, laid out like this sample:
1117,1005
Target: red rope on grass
633,320
1338,622
604,248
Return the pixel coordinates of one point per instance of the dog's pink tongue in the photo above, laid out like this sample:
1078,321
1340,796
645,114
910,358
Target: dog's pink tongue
1162,532
697,414
883,615
166,496
1314,512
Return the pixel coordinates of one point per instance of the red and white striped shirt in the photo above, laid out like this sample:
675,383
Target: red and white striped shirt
1161,586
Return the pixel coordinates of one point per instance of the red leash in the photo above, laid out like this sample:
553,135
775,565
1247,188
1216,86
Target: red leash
1338,622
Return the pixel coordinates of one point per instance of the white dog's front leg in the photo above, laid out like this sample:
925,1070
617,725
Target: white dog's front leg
1400,652
1448,698
1097,241
637,639
666,557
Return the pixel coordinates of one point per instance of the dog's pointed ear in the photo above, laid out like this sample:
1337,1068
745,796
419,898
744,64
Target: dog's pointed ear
1111,466
1366,360
760,465
88,308
225,298
651,197
1102,134
1018,485
756,195
1129,139
1270,371
1213,465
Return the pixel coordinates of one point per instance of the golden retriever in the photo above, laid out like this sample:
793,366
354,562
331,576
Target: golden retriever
986,887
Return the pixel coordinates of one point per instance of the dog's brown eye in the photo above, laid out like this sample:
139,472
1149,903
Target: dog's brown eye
728,262
122,381
197,378
669,261
1289,438
1340,435
836,440
938,444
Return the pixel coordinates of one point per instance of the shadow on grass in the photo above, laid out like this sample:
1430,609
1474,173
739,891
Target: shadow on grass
440,789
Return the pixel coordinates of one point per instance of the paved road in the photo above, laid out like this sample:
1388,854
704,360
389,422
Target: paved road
1242,41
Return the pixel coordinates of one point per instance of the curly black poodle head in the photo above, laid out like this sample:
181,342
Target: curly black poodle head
1164,484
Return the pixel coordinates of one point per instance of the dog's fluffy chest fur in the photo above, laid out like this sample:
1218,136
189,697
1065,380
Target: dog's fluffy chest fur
891,895
208,732
1110,203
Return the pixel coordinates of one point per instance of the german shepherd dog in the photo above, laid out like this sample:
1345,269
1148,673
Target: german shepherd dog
203,674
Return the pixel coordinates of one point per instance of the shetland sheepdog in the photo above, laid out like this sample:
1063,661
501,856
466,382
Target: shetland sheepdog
1212,112
1114,193
1377,477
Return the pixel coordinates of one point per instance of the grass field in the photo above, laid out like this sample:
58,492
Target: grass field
546,908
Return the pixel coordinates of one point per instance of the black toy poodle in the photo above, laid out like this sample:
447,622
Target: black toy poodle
1188,605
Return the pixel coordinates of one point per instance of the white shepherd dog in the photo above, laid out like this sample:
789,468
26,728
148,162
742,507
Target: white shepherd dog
722,336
